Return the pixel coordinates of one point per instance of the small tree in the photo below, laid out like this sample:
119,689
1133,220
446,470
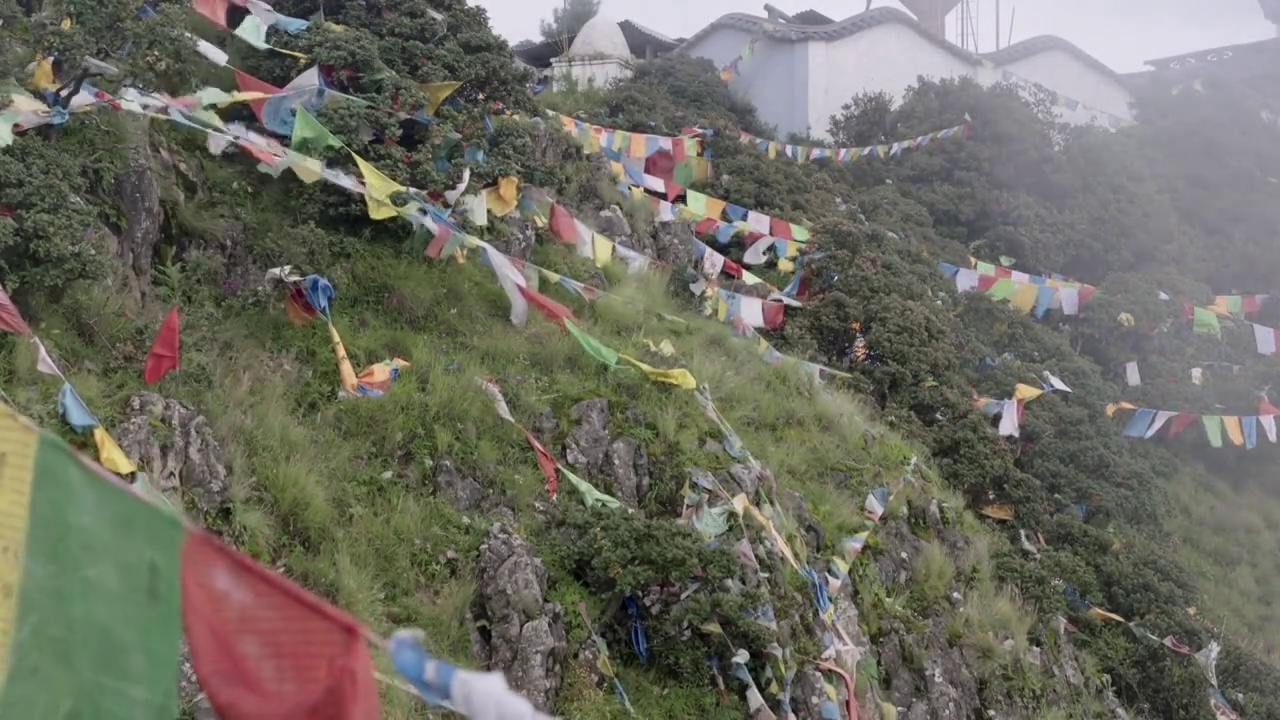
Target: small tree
569,19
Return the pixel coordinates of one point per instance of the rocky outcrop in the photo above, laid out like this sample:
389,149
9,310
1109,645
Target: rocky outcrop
451,484
525,636
591,449
173,444
138,193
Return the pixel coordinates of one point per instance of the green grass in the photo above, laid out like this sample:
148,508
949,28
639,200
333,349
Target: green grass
337,493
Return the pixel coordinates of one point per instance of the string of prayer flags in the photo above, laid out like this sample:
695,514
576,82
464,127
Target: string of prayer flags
1033,294
1230,305
163,355
440,684
807,153
1240,430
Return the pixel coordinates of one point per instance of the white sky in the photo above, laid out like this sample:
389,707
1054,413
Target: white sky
1121,33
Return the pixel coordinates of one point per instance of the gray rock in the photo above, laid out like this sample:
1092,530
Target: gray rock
627,464
612,223
520,239
588,442
138,191
526,638
797,508
462,491
672,244
190,695
546,425
175,447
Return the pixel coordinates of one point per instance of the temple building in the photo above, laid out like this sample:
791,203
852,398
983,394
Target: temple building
603,50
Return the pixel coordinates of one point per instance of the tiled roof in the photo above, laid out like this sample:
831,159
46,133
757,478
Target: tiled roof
835,31
876,17
1044,43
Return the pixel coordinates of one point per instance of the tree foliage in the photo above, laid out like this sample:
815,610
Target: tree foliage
567,20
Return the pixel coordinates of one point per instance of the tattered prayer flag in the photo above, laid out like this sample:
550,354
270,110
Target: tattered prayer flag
264,647
378,190
10,319
309,134
163,355
436,94
44,363
590,495
89,597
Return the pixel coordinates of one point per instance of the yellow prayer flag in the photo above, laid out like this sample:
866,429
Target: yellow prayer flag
1122,405
346,374
786,266
715,207
1024,297
773,150
378,191
110,456
616,168
501,200
507,187
568,123
638,143
436,93
1026,392
308,169
24,103
42,75
593,143
620,138
1234,431
602,248
677,376
1099,614
750,278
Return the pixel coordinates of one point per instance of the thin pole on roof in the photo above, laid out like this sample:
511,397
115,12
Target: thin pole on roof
997,25
1012,16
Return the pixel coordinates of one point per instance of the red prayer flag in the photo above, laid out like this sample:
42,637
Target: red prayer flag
660,164
249,83
779,228
1250,304
10,319
705,225
773,315
677,150
264,648
1180,422
297,307
1266,408
562,225
732,268
554,311
674,190
439,240
215,10
1086,292
545,462
163,355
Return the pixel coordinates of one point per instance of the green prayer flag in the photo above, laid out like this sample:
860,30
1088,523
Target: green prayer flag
309,133
1213,428
1205,322
799,233
1006,261
604,354
590,495
696,202
1003,289
682,173
253,31
90,621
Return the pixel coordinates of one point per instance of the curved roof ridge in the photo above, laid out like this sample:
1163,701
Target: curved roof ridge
852,25
1044,43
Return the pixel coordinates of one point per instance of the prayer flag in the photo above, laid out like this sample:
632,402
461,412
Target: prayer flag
309,134
10,319
163,355
89,596
249,83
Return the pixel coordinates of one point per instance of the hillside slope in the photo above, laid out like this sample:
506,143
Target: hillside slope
425,508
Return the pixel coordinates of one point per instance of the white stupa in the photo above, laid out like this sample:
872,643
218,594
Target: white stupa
599,54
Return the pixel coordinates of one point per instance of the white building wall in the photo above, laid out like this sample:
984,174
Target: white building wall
1067,75
798,86
588,72
772,79
885,58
